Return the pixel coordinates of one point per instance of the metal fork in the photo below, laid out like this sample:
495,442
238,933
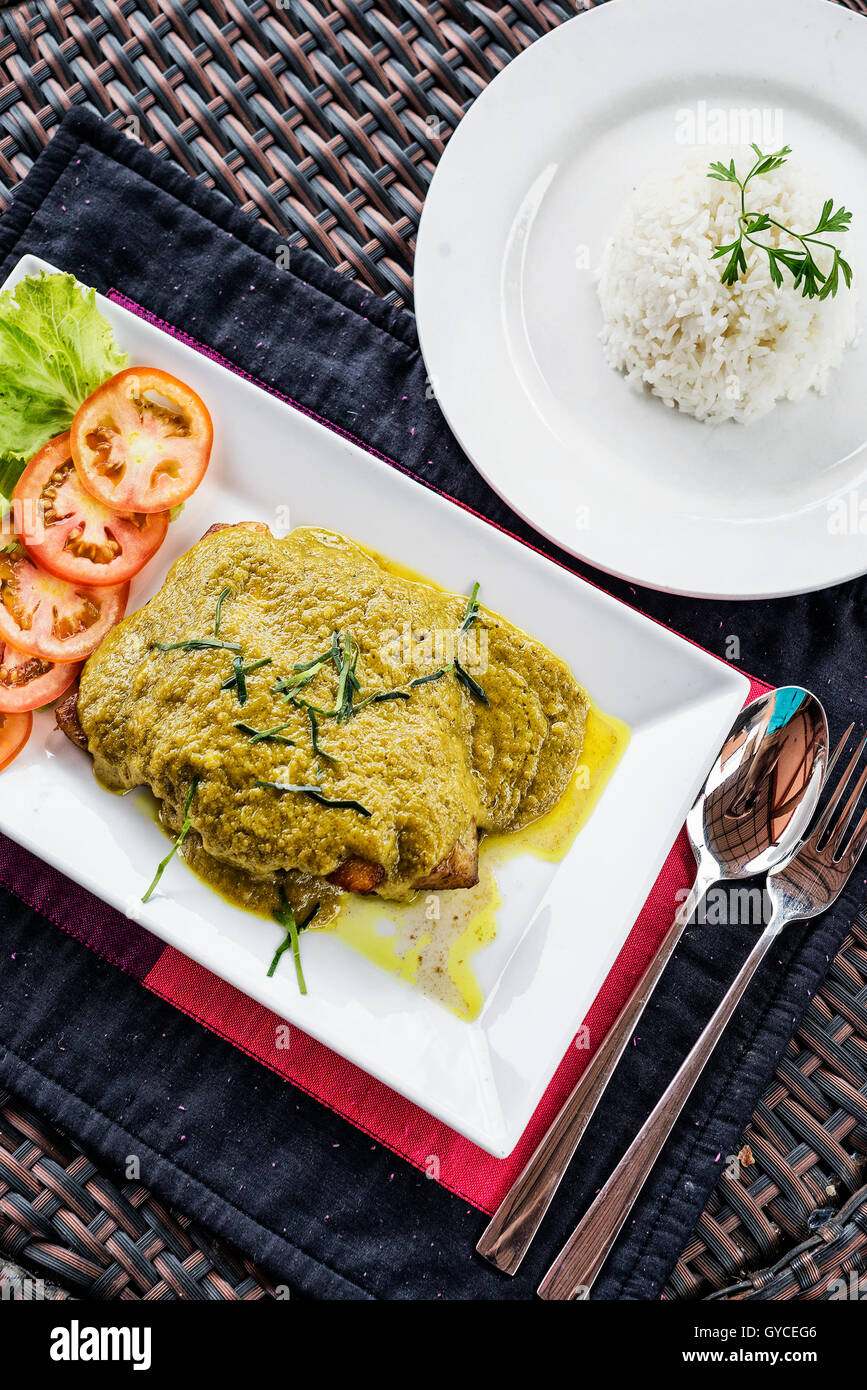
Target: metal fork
802,888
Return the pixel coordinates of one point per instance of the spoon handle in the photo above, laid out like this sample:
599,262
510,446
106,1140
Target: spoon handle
572,1274
512,1228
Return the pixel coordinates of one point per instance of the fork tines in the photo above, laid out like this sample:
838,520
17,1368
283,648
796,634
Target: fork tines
837,832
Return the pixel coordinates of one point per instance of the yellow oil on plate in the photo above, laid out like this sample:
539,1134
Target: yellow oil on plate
431,941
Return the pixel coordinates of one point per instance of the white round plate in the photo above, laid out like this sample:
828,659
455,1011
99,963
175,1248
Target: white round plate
515,222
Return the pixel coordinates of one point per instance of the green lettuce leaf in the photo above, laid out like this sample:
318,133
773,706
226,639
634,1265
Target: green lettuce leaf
11,468
55,348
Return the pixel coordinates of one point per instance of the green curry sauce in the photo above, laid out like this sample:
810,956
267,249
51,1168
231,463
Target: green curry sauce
327,708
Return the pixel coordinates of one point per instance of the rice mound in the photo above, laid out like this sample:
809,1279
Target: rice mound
718,352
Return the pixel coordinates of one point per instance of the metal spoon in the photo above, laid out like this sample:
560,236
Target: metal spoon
802,888
749,818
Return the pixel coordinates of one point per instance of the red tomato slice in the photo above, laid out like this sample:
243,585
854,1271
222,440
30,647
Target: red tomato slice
14,733
49,617
29,682
73,535
142,441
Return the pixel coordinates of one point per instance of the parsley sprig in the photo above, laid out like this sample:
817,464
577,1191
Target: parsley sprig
799,262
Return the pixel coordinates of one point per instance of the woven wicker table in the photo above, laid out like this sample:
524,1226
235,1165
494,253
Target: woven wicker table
326,120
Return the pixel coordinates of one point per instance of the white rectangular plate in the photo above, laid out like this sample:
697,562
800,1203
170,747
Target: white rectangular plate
557,941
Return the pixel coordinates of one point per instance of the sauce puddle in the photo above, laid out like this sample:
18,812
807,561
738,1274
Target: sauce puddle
431,942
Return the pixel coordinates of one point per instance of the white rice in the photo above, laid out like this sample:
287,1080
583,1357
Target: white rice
718,352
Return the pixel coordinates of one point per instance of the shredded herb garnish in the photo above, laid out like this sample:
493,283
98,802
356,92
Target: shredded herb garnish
317,709
379,697
275,735
287,685
315,795
472,685
224,595
314,661
346,670
801,264
197,644
343,654
248,670
472,609
314,736
178,842
240,680
285,918
434,676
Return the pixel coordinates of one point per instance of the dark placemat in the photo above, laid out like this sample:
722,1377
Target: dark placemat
292,1185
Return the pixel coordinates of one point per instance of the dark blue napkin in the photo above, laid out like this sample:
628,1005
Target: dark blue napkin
297,1188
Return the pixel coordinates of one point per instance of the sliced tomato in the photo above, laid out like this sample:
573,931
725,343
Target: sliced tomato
73,535
29,682
142,441
14,733
49,617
